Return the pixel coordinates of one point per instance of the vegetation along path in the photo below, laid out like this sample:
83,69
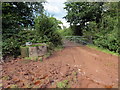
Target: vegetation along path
72,67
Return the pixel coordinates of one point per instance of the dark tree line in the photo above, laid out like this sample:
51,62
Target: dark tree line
98,20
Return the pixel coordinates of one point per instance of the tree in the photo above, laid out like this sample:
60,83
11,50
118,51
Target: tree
18,14
79,13
47,26
96,19
108,37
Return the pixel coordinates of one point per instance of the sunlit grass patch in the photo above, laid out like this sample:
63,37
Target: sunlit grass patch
63,84
5,78
34,58
103,50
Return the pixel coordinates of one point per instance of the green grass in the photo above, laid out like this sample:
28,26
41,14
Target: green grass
103,50
63,84
58,48
34,45
48,54
30,58
34,58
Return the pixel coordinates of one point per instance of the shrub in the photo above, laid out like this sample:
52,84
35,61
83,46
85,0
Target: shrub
47,26
45,32
11,46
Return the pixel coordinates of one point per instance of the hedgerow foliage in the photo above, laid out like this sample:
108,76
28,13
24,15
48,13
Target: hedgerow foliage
108,36
44,32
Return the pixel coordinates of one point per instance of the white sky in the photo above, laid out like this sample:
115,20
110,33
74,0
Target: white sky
55,8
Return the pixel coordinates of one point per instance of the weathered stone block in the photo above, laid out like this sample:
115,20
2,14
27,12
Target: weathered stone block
24,51
41,50
34,50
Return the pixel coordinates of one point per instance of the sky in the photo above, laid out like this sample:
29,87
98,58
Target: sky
56,8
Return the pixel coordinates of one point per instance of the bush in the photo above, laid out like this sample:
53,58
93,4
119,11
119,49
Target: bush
11,46
45,32
108,41
47,26
106,35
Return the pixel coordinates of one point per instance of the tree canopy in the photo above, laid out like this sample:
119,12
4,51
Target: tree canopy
98,20
80,13
18,14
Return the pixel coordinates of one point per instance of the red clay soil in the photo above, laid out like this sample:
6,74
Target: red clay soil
81,66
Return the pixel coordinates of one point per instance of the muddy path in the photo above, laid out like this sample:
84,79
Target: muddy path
79,66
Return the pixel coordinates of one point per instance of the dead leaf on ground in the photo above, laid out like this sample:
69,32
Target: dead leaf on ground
37,82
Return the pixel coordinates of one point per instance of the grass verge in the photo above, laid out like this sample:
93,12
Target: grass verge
103,50
58,48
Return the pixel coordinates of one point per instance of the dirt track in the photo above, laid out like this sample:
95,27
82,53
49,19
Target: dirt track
81,66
